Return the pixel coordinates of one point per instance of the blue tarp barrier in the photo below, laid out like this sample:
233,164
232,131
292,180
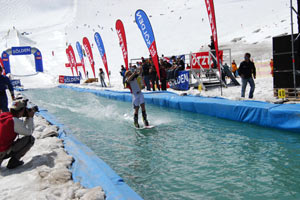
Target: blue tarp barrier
90,170
280,116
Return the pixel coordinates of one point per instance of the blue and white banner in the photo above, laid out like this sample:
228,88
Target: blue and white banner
182,81
16,83
101,49
69,79
79,50
26,50
145,27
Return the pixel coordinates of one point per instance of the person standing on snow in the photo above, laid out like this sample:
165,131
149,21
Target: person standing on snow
102,76
213,51
122,73
12,126
233,68
247,71
137,96
4,84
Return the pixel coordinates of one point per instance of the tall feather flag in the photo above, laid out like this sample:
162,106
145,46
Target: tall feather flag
79,50
212,20
73,58
101,49
69,59
89,53
122,38
145,27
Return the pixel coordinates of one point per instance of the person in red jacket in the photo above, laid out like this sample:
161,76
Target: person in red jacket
12,126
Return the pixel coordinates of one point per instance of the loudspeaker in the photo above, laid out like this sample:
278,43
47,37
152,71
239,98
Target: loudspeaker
282,44
285,79
282,53
284,61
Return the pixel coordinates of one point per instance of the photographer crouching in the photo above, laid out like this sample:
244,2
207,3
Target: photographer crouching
11,127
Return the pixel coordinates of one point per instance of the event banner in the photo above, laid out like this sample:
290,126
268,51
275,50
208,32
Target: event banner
101,49
70,61
69,79
26,50
145,27
73,58
212,20
79,50
203,58
181,82
16,83
122,38
89,53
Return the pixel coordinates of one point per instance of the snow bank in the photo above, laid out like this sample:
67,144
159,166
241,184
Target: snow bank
45,174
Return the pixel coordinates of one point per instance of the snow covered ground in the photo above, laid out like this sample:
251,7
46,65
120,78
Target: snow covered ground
179,26
45,174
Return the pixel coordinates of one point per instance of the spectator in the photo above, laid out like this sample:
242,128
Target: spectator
163,74
213,51
246,70
102,76
4,84
80,76
146,75
122,73
12,126
272,66
234,68
154,78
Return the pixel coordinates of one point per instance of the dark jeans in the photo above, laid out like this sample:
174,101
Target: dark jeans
244,85
147,82
3,102
163,84
18,149
102,82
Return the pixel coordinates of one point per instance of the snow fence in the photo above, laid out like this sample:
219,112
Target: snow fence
280,116
90,170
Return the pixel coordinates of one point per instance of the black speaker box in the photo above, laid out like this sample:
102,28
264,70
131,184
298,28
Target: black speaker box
285,79
284,61
282,44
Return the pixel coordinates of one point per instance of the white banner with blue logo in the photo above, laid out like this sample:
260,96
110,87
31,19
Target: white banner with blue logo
182,81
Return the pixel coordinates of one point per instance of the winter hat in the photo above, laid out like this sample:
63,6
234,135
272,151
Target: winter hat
17,105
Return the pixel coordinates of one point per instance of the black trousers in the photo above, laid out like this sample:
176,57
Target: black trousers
18,149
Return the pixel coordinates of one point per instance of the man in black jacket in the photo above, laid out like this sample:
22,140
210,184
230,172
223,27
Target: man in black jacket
246,70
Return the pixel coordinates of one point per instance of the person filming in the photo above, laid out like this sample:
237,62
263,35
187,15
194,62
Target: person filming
12,127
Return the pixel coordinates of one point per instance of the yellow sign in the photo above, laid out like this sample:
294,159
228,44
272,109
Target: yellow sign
281,93
200,87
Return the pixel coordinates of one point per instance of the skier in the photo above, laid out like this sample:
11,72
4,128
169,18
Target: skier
137,96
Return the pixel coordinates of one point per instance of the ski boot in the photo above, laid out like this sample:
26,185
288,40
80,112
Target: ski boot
146,123
136,121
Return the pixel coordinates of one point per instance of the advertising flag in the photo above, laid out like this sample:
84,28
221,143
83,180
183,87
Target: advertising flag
101,49
69,59
1,63
73,58
89,53
122,37
212,20
79,50
145,27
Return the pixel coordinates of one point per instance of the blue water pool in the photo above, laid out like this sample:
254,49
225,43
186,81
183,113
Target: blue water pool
187,155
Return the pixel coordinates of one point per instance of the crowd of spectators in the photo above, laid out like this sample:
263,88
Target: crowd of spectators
168,70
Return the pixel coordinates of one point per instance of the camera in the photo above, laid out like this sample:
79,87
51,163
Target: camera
29,108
